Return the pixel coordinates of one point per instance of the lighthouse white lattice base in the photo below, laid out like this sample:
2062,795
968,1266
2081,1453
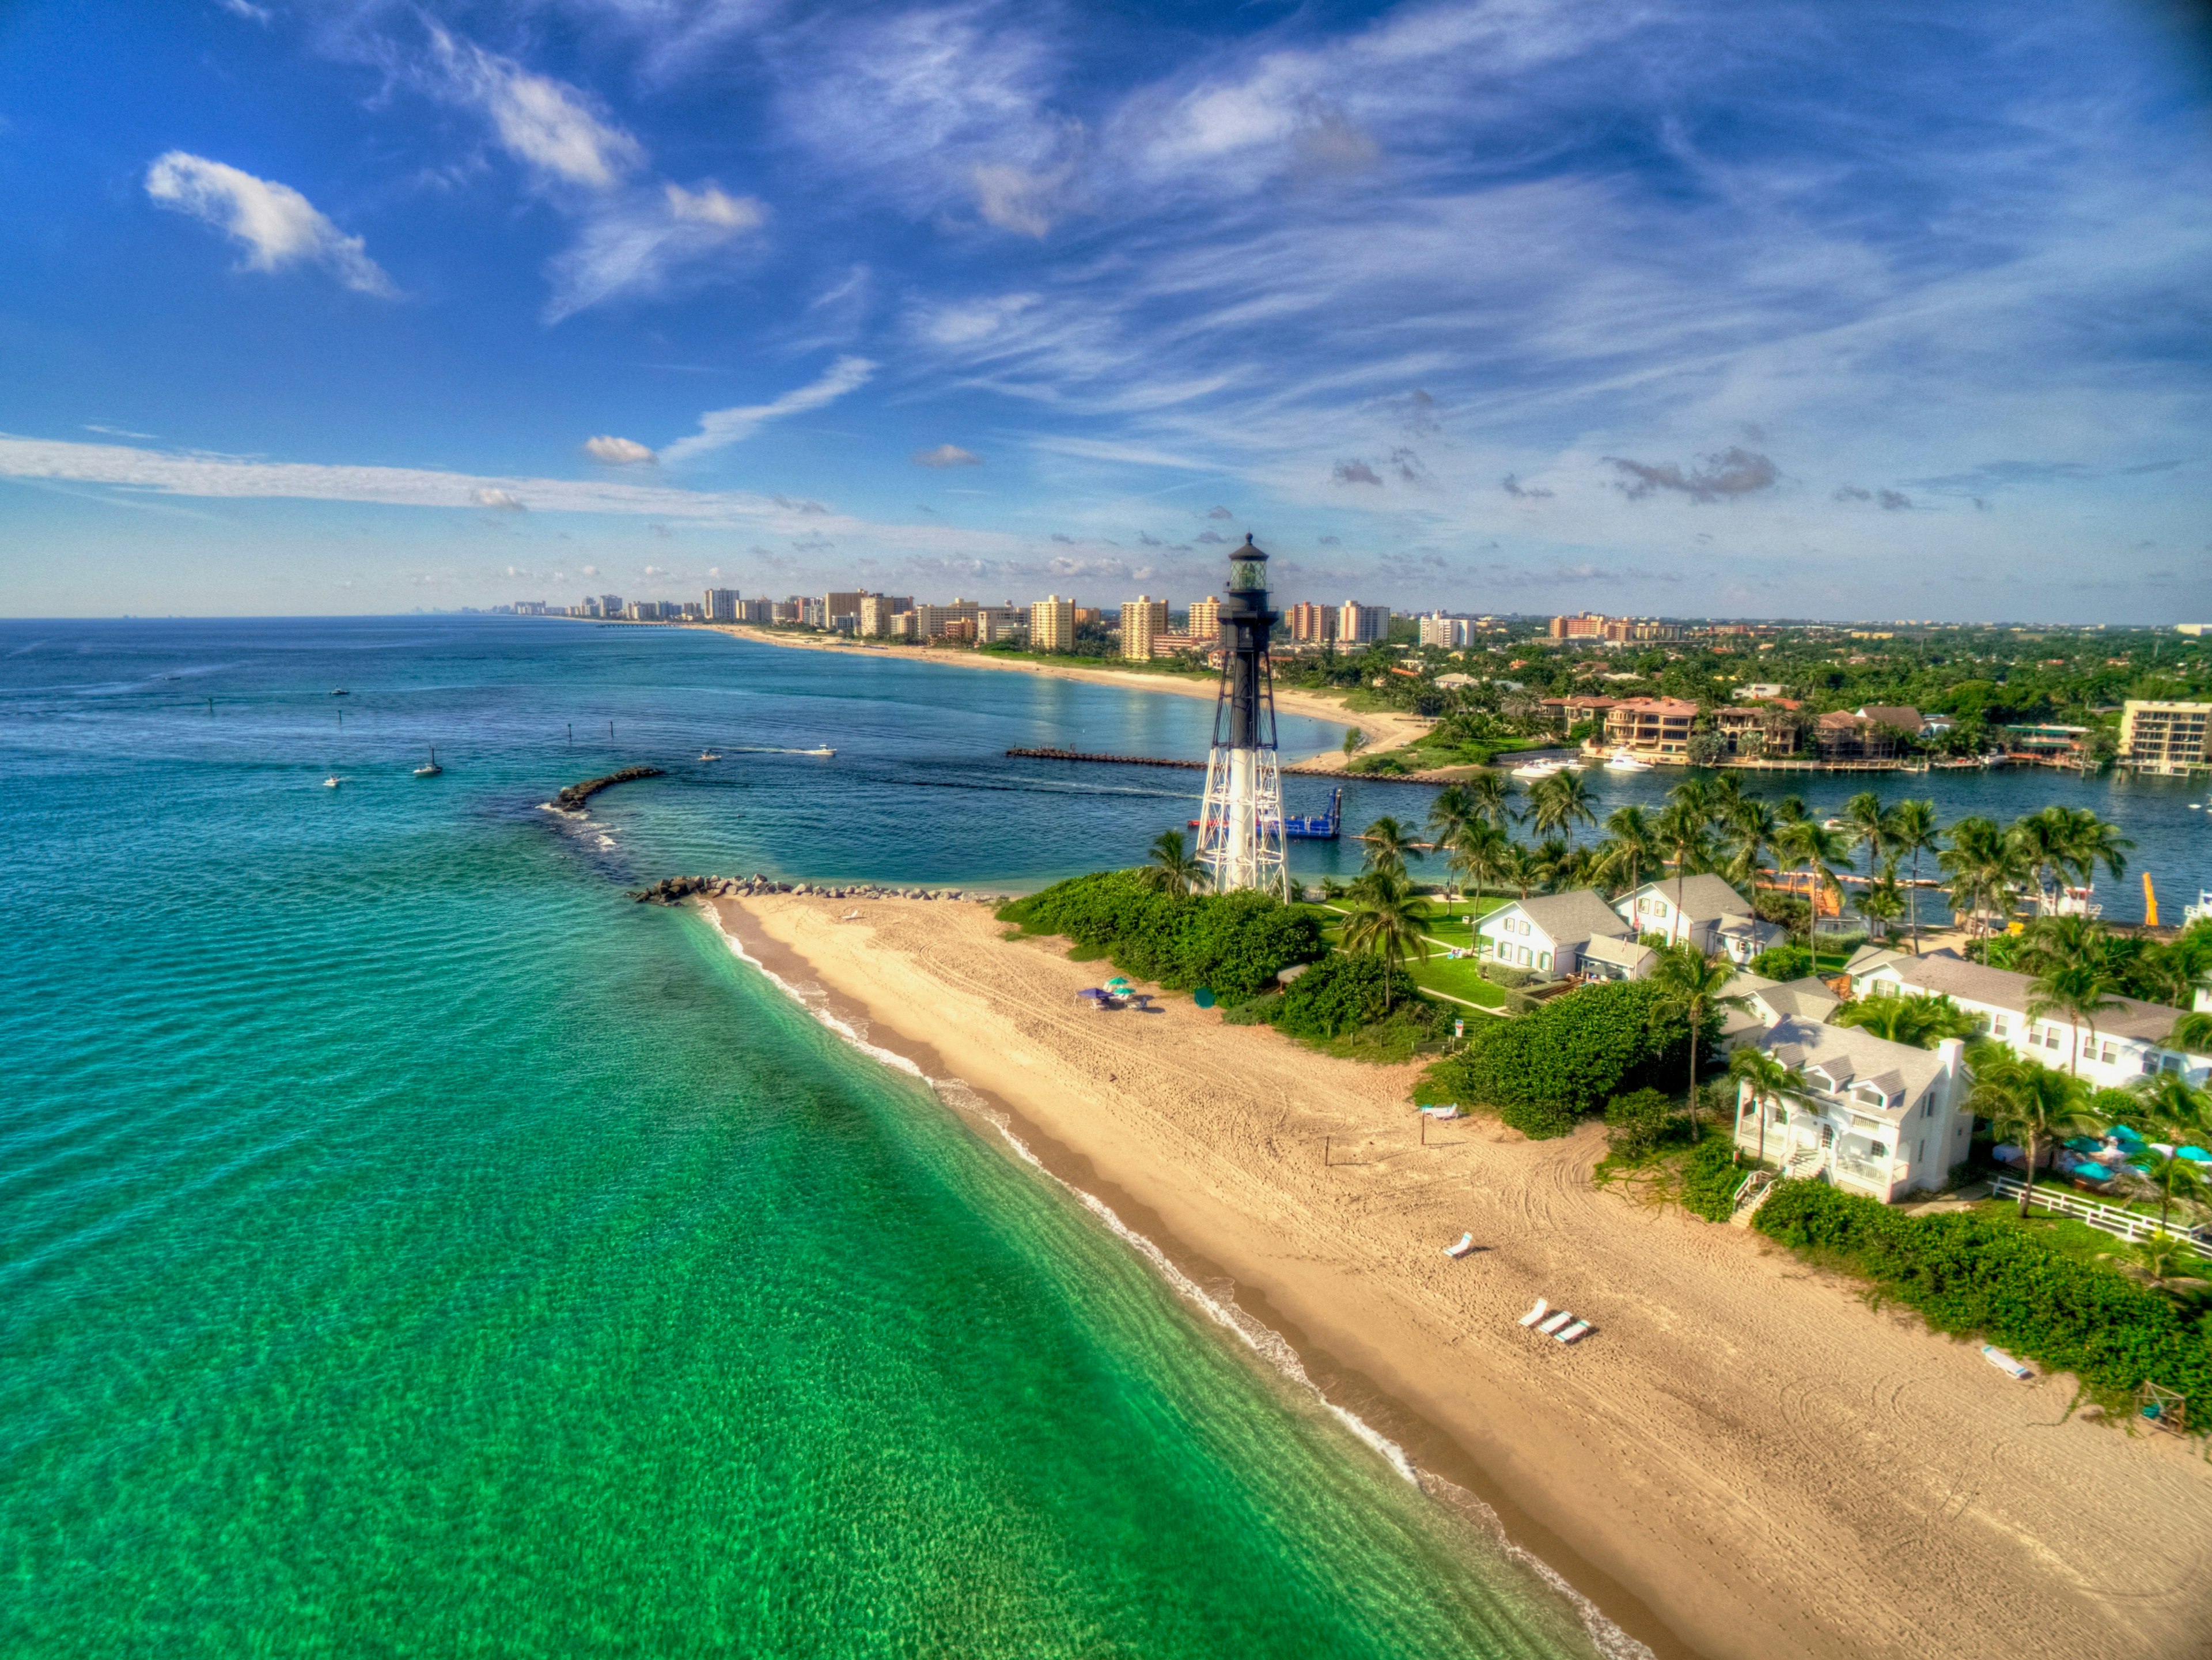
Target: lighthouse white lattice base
1241,834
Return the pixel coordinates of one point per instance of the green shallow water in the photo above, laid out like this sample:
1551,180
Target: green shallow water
408,1247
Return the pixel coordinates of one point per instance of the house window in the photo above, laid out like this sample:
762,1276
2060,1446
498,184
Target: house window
1543,959
1998,1025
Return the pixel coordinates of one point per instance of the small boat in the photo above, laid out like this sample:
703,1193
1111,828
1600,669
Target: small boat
332,782
335,692
708,755
433,769
819,749
1622,761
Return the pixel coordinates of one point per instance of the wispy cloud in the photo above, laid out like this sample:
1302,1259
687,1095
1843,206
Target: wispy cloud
557,130
947,455
1733,472
636,244
276,225
618,452
719,429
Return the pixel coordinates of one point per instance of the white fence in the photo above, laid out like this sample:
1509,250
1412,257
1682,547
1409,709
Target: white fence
2131,1226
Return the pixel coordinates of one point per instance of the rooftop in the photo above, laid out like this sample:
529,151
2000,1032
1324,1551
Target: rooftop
1949,974
1846,1056
1581,914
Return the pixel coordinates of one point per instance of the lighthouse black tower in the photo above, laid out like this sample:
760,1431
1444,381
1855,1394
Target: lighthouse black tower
1242,839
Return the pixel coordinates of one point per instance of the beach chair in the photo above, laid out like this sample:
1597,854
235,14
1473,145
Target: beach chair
2006,1364
1569,1334
1464,1244
1537,1313
1552,1326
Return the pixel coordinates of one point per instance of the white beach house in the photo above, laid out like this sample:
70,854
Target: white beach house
2116,1047
1705,910
1879,1118
1549,934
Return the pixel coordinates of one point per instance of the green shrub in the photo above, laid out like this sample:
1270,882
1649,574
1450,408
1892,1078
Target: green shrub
1340,994
1234,942
1540,1121
1505,974
1709,1179
1573,1054
1784,963
1970,1273
1260,1011
1638,1122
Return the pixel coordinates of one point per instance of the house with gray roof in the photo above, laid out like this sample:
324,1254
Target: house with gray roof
2111,1049
1874,1117
1702,908
1546,933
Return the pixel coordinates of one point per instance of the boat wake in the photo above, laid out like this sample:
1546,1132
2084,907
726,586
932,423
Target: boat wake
1270,1345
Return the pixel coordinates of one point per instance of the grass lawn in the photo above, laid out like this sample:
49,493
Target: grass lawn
1461,978
2062,1233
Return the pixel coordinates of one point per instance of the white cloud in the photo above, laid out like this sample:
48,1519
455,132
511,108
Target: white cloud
633,244
251,13
1014,199
720,428
545,124
618,451
491,497
977,320
591,570
947,455
277,225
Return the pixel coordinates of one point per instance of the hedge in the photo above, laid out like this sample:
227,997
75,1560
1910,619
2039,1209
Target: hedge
1232,942
1340,994
1541,1070
1973,1275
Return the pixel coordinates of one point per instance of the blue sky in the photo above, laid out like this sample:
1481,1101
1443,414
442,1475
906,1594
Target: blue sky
1698,309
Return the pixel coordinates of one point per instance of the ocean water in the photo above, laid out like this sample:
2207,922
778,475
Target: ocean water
408,1246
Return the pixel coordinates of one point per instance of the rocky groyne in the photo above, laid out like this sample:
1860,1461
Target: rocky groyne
571,798
675,890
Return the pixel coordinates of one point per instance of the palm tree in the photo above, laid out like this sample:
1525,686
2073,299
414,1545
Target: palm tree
1387,920
1561,865
1883,901
1914,831
2191,1033
1685,837
1987,867
1517,869
1560,802
2091,841
1748,835
1806,842
2181,968
1792,810
1478,854
2157,1262
1630,847
2072,978
1694,986
1869,825
1919,1020
2177,1110
1389,845
1491,792
2026,1100
1174,869
1770,1080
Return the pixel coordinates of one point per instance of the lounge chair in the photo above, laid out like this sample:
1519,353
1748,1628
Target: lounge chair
1548,1326
1537,1313
2005,1363
1465,1245
1568,1334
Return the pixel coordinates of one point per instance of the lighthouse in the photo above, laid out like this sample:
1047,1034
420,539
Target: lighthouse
1241,838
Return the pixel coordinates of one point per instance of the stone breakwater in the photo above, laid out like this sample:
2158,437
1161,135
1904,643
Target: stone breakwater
675,890
572,798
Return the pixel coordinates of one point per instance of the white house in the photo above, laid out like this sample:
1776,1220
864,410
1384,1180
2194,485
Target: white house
1547,934
1879,1118
1707,910
2116,1047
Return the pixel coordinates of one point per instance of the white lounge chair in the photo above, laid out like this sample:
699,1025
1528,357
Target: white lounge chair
1549,1326
1567,1334
2006,1364
1537,1313
1466,1243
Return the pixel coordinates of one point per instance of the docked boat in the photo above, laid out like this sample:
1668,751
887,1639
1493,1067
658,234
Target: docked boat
1622,761
431,769
1534,770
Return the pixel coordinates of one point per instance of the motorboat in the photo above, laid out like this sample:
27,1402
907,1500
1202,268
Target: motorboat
1534,771
332,782
708,755
340,692
819,749
1622,761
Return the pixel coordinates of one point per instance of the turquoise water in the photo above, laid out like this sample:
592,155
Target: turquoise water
409,1247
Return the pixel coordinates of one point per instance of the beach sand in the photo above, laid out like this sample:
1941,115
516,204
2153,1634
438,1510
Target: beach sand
1380,730
1744,1460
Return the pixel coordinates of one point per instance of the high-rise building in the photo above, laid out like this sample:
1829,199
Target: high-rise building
875,612
721,605
2166,737
1143,620
1312,623
755,611
1052,624
996,623
1205,624
1450,632
835,605
611,604
693,611
1358,624
1590,624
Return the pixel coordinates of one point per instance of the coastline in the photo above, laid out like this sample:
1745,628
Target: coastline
1386,729
1744,1460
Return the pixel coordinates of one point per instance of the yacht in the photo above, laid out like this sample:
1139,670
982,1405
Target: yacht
1623,761
1534,771
433,769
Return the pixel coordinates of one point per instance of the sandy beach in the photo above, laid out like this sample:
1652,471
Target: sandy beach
1744,1461
1382,729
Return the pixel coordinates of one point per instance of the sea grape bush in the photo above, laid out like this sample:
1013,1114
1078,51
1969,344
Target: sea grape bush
1541,1070
1969,1273
1340,994
1234,943
1709,1179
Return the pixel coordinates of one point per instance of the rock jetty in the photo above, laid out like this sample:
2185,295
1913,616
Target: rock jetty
675,890
571,798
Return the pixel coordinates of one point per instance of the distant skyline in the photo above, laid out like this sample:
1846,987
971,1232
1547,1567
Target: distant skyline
1680,309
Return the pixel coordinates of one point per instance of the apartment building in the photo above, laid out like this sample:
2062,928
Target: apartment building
1651,727
837,605
1452,633
1052,624
1359,625
1590,625
1204,625
2163,738
1144,621
1311,624
1755,730
872,616
722,606
995,623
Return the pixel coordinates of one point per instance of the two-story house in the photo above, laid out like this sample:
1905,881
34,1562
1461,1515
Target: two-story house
1548,934
1702,909
2110,1049
1877,1118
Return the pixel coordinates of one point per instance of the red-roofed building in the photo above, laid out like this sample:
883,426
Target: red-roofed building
1651,727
